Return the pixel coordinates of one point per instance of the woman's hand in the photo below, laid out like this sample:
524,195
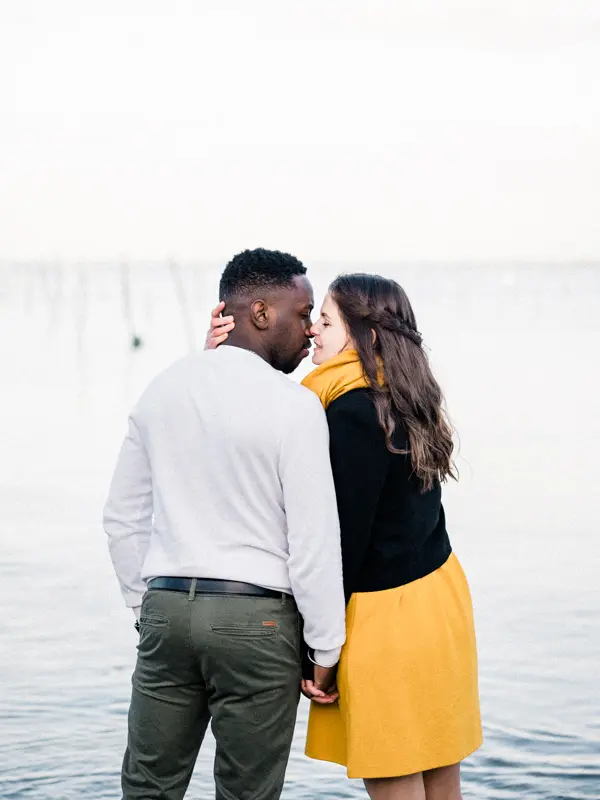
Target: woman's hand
219,329
312,692
322,689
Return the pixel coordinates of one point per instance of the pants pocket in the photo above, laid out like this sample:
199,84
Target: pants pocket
153,619
245,630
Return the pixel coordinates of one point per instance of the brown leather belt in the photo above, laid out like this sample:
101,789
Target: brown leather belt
211,586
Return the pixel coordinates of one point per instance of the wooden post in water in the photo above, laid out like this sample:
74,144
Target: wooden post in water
188,326
81,296
135,340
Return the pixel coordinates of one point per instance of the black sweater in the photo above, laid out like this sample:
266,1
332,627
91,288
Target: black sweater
391,532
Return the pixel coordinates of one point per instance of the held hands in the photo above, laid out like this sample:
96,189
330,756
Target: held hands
219,329
322,689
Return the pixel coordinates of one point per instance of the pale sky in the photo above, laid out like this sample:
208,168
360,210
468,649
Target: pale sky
336,129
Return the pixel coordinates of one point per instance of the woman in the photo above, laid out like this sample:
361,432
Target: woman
408,709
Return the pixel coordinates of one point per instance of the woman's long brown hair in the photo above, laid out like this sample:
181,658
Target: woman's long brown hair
408,392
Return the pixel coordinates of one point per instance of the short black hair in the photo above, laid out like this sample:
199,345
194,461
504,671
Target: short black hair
258,269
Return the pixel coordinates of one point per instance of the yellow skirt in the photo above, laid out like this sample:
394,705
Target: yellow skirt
407,678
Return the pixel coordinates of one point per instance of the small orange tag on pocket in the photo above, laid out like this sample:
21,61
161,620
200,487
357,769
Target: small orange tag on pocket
270,624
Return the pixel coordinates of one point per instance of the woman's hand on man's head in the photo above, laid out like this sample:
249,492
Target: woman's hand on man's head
219,329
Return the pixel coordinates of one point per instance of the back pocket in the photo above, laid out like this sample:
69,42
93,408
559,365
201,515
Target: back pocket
245,631
153,620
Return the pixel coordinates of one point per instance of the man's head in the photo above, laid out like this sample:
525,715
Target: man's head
272,300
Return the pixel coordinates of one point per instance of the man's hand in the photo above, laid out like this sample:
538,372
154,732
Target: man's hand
220,328
322,689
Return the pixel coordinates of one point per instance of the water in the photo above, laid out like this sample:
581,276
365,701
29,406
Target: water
515,347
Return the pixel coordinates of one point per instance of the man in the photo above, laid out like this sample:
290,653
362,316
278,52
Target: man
223,530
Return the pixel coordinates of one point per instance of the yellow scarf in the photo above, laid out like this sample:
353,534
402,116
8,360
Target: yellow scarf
335,377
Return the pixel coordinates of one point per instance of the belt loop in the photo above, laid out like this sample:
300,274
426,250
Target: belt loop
192,593
283,598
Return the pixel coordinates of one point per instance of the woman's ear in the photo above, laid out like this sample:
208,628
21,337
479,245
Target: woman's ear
374,335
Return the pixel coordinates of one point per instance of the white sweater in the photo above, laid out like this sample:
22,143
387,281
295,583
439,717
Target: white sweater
225,473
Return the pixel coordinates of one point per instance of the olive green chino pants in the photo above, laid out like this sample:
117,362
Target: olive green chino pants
230,659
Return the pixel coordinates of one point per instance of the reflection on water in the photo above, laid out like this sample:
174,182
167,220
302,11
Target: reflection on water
515,347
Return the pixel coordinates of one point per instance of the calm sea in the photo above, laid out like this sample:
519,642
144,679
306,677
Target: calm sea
516,349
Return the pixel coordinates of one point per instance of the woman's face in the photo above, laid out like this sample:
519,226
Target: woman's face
330,334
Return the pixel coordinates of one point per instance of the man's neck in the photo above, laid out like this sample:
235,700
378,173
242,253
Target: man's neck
238,338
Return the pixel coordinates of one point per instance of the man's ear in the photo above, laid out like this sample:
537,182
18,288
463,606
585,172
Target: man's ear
259,314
